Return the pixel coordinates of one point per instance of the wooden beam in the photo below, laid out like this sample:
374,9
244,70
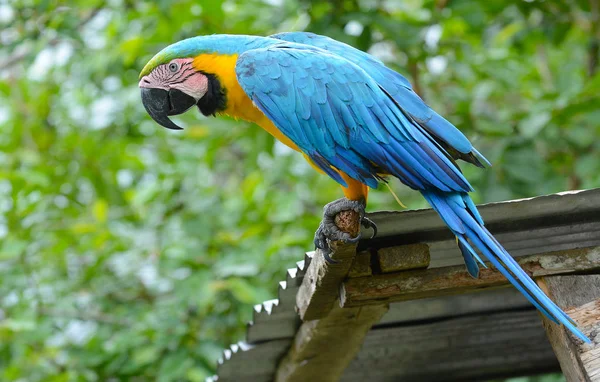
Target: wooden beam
322,349
416,284
403,257
257,362
361,266
510,215
320,286
479,347
579,297
437,308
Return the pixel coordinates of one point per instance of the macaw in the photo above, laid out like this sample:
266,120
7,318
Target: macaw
351,117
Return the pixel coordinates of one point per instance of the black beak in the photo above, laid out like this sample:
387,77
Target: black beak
160,104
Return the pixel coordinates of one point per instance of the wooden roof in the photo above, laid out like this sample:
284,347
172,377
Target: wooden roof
419,324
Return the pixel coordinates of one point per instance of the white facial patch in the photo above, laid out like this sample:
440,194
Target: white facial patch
178,74
195,85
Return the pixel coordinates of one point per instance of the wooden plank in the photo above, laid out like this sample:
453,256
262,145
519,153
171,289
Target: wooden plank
529,241
320,286
467,348
362,265
414,336
322,349
579,297
495,300
542,210
417,284
542,224
403,257
257,362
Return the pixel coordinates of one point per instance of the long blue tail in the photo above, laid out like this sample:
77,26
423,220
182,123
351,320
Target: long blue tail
460,214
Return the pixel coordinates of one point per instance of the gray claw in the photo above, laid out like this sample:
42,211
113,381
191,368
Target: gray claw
353,239
328,258
368,223
328,230
322,244
321,239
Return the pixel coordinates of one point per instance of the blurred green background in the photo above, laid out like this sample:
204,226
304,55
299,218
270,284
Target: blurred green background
130,250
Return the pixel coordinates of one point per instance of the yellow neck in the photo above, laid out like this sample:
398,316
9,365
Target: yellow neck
239,105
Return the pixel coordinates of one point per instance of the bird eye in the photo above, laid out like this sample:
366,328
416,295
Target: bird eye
173,66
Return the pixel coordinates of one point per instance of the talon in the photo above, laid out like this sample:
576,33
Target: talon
368,223
352,239
328,230
321,239
328,258
317,243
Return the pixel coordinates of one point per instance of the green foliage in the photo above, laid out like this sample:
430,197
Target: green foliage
129,250
540,378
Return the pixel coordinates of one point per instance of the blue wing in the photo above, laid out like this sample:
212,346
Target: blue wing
452,139
342,119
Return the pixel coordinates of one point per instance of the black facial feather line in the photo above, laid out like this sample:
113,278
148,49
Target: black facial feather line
215,99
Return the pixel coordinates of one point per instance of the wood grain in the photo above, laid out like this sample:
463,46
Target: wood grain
322,349
464,348
417,284
579,297
320,287
403,257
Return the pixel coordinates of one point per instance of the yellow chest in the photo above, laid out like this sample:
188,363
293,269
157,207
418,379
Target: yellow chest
239,105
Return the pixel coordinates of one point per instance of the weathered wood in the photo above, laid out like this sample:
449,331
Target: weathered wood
542,210
579,297
322,349
529,241
467,348
440,338
410,285
525,227
495,300
362,265
403,257
257,362
320,286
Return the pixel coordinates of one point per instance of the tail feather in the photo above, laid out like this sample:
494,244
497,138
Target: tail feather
471,257
460,214
470,261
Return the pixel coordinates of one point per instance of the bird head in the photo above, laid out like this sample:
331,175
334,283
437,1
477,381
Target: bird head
171,83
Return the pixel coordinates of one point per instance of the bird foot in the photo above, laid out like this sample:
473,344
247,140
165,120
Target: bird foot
328,230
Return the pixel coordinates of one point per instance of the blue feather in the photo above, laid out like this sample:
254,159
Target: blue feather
344,121
320,162
397,86
469,257
453,207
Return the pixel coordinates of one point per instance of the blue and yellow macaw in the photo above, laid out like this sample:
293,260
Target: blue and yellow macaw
351,117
